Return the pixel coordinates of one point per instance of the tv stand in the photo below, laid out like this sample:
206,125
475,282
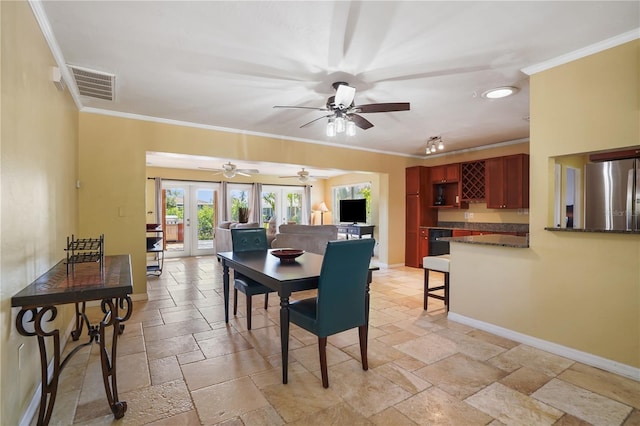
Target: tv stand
353,229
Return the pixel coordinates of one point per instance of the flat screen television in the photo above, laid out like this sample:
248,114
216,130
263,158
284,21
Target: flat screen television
353,211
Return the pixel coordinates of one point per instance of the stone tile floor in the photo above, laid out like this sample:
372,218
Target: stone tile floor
180,364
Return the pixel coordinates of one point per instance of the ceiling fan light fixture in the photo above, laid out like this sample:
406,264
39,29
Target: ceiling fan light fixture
351,128
303,178
340,124
229,174
331,128
440,145
500,92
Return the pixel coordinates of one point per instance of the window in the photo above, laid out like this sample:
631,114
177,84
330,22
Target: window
238,198
284,202
351,192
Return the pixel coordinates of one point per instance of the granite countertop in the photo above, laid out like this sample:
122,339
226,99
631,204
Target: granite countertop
491,240
483,226
606,231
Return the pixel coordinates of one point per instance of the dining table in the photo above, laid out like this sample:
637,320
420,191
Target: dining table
284,277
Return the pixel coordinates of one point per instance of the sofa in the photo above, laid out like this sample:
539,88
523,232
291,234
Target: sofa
223,234
306,237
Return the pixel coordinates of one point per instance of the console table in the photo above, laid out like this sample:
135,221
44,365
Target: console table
356,230
108,281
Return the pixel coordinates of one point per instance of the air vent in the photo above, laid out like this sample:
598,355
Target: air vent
94,84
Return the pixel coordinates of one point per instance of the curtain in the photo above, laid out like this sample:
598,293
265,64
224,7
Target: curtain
222,209
306,206
255,203
158,189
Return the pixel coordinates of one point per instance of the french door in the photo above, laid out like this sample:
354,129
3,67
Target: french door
189,217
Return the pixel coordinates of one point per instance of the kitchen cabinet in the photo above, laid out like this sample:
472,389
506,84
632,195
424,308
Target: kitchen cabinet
417,212
472,181
507,182
446,186
424,244
461,232
446,173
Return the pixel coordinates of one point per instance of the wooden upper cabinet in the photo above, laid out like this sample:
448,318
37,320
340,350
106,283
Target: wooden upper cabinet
446,173
507,182
417,179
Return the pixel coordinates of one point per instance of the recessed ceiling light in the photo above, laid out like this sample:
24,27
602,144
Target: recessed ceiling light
499,92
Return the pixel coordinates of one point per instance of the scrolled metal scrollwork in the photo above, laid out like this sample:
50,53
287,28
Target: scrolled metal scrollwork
37,318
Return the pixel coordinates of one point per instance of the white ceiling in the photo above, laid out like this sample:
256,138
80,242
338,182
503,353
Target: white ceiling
225,64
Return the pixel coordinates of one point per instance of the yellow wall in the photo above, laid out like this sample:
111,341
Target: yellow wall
580,290
38,151
113,173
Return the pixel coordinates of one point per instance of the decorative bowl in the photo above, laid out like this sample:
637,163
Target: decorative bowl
287,254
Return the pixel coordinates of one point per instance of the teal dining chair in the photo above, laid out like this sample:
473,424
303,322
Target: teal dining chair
246,240
340,302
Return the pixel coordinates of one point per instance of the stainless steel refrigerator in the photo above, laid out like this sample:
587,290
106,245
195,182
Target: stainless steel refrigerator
612,195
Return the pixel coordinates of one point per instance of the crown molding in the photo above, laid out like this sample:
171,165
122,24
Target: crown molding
584,52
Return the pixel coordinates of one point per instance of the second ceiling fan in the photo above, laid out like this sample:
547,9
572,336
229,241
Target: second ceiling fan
344,114
230,170
304,176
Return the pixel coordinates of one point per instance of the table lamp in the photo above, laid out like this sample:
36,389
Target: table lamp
323,209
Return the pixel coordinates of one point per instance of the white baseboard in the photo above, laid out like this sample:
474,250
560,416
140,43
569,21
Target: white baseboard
554,348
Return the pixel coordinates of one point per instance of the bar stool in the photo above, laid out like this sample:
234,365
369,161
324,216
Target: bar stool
440,264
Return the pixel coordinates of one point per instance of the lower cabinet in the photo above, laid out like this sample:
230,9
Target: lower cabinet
424,244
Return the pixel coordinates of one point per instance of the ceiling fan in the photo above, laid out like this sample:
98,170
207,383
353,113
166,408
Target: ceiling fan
230,170
344,114
304,176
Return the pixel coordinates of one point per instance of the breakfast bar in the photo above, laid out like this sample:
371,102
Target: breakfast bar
491,240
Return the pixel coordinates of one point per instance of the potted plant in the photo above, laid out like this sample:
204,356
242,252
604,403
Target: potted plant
243,214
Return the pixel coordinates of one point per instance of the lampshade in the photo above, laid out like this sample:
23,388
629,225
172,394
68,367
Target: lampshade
331,127
351,128
340,124
323,207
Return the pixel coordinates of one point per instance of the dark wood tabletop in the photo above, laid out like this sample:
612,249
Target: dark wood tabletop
283,277
84,282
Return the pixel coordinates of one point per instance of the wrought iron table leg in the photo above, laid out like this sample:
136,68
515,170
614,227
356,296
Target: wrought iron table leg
108,360
49,388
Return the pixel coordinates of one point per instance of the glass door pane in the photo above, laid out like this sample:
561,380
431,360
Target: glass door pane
189,218
293,206
269,200
174,219
204,220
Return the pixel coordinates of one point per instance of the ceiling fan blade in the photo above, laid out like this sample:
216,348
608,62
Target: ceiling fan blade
249,171
313,121
386,107
301,107
360,121
344,96
242,173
